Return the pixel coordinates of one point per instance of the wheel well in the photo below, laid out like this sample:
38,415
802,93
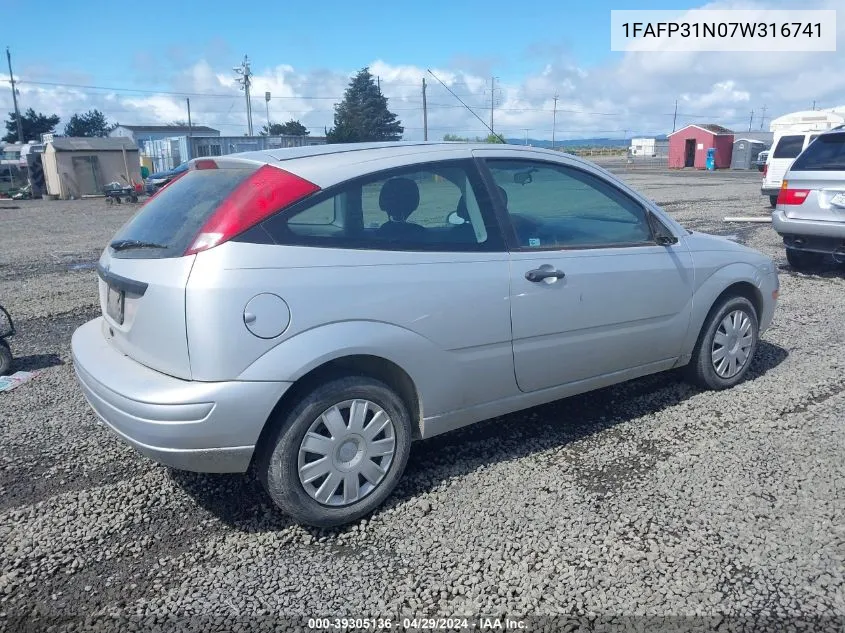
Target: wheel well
373,366
743,289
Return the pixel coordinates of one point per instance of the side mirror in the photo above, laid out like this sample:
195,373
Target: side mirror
454,219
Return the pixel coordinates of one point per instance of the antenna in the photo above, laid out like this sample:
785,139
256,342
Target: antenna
499,136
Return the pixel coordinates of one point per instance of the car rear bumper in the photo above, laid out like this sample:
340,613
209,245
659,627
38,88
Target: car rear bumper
828,236
770,191
197,426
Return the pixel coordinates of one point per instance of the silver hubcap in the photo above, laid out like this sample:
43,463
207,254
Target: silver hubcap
346,452
732,344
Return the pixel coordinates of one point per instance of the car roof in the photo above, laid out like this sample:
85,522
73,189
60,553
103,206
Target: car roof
362,151
328,164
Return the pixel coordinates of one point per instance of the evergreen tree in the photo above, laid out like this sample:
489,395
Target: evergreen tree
34,124
91,123
363,114
291,128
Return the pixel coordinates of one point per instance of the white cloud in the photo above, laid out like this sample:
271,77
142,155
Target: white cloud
635,93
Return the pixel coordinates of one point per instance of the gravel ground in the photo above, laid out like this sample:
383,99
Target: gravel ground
646,504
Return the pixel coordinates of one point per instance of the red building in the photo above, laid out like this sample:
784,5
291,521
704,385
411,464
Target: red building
688,146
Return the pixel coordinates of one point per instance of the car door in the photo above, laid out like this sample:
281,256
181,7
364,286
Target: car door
592,291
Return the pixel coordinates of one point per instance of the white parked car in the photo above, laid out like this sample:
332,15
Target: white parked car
785,149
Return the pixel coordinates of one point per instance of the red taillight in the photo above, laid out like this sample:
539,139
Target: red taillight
265,192
792,196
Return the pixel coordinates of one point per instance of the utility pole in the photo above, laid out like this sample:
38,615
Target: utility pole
554,121
492,99
267,103
378,81
244,78
425,114
675,118
15,97
526,135
763,117
814,104
751,122
190,127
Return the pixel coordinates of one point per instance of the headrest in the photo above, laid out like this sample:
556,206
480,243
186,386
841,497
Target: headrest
504,195
462,210
399,198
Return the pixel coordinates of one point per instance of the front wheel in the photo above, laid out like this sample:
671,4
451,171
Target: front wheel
338,453
726,345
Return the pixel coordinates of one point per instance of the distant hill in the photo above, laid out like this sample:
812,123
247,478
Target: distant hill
580,142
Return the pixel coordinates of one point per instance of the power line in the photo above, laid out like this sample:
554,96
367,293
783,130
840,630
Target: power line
465,105
340,97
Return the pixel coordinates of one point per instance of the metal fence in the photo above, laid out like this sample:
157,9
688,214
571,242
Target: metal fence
658,159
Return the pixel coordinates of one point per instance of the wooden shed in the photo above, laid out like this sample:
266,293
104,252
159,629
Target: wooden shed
688,146
75,167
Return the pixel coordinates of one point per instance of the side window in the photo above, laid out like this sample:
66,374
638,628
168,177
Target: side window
789,146
432,207
320,219
554,206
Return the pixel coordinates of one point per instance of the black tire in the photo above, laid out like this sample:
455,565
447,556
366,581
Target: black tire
278,457
773,201
804,260
700,370
5,357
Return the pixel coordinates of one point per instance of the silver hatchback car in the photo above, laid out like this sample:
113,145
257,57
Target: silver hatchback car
810,212
309,312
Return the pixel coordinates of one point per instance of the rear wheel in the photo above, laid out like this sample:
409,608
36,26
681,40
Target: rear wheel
773,201
5,357
338,453
726,345
804,260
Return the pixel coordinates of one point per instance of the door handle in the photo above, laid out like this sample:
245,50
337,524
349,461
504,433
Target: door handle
539,274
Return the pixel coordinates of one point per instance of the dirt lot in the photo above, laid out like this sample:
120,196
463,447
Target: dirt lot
647,500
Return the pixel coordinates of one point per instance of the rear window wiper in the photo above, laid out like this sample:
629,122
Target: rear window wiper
122,245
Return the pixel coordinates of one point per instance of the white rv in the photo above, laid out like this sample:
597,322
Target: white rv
643,147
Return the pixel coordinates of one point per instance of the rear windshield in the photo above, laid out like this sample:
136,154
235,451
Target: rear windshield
826,153
167,224
789,146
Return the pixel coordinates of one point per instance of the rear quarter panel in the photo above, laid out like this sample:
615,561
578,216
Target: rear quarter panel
443,317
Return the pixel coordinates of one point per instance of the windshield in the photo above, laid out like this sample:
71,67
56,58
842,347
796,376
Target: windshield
166,225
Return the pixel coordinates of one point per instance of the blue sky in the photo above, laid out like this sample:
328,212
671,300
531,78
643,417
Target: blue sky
138,61
511,37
